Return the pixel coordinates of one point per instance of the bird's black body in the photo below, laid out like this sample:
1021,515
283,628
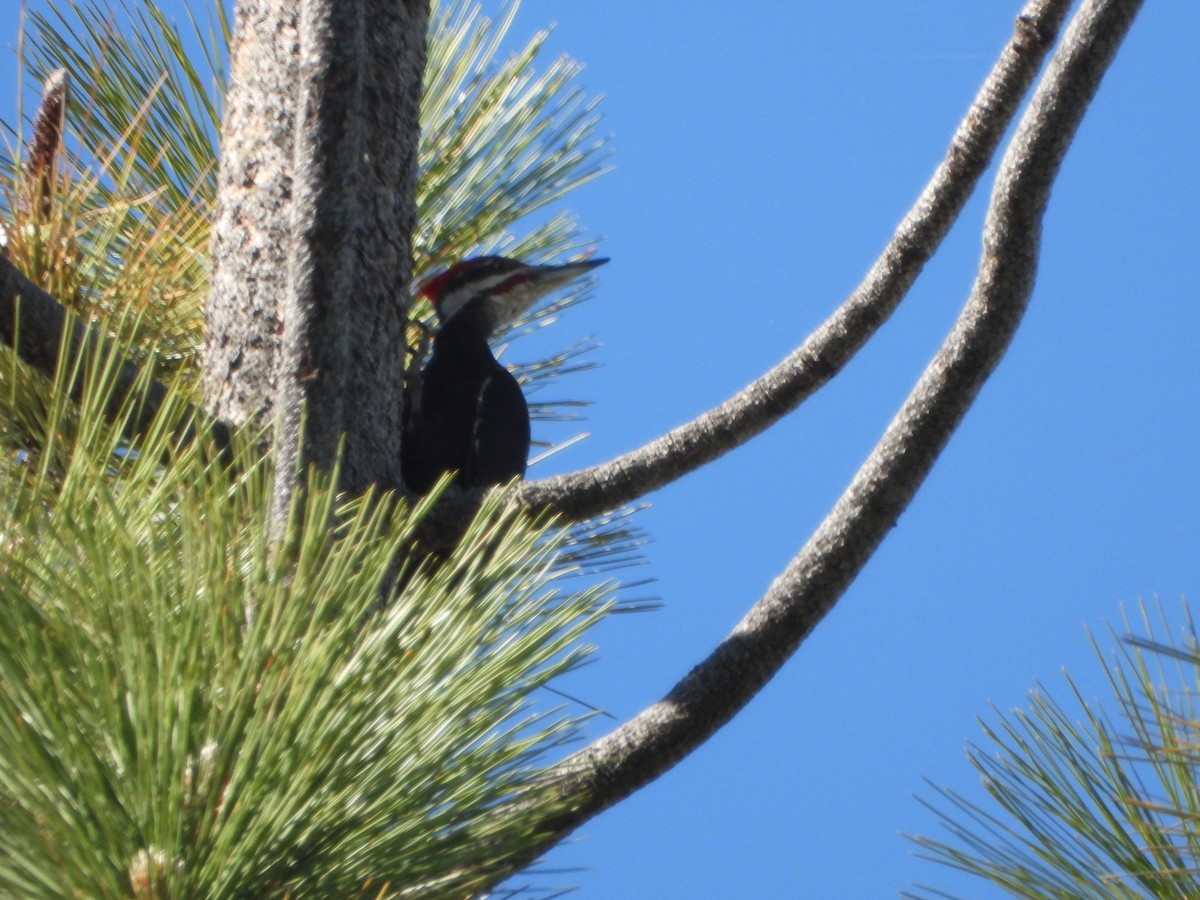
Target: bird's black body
472,417
469,415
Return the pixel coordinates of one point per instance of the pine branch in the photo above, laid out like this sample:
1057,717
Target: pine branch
623,761
35,325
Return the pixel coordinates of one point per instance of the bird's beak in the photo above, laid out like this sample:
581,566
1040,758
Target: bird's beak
552,277
540,281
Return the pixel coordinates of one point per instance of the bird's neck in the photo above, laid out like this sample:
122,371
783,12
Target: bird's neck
466,336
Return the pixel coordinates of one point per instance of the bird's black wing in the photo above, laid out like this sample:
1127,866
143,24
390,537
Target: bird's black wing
500,442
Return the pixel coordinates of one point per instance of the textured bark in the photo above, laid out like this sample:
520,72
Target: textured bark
311,250
618,764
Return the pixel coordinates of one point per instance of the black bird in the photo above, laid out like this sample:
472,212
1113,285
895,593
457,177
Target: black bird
468,414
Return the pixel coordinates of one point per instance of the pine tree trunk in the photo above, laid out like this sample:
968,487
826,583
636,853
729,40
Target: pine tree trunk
311,246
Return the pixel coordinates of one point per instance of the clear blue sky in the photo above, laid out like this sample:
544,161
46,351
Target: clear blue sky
763,161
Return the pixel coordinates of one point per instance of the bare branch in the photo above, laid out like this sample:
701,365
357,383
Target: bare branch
605,487
593,491
42,324
639,751
756,407
35,325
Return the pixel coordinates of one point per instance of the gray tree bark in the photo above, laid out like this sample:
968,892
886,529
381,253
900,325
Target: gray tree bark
311,250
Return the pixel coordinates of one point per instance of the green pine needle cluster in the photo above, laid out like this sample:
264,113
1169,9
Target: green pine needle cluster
189,710
1084,805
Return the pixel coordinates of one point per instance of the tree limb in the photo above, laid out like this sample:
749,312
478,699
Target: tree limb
616,765
601,488
755,408
35,325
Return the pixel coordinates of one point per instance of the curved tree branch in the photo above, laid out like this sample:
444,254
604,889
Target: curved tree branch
755,408
618,764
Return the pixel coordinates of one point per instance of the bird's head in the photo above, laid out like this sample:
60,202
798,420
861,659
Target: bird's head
496,289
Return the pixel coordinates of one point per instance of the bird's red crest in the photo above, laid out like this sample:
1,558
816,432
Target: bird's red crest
434,287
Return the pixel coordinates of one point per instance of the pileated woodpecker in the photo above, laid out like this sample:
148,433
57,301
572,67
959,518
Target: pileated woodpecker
469,415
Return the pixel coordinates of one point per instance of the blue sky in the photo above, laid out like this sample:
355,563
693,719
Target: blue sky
763,161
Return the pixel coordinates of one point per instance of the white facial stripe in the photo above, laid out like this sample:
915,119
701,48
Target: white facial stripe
455,300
